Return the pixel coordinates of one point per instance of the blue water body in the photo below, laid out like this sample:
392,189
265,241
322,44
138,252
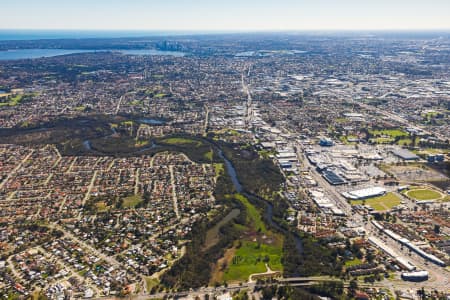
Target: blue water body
152,121
17,35
2,92
38,53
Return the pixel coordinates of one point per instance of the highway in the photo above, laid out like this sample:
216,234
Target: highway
248,103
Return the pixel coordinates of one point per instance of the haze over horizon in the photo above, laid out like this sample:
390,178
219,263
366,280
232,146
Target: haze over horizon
234,15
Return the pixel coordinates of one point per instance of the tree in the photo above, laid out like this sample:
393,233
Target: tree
353,287
437,229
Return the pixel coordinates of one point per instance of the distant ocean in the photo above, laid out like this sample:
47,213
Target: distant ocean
16,35
26,35
29,34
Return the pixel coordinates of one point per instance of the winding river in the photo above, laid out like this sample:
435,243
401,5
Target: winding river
213,233
268,214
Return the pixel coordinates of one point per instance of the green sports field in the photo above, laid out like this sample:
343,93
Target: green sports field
251,258
424,194
381,203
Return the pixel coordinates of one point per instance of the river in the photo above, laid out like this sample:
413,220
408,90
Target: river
268,214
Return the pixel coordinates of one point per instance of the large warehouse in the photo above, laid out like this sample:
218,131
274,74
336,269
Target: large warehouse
365,193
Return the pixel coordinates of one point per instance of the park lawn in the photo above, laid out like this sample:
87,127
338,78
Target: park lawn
383,140
249,259
209,155
136,103
181,141
405,142
393,133
101,206
160,95
131,201
423,194
150,282
12,101
353,262
218,167
253,215
381,203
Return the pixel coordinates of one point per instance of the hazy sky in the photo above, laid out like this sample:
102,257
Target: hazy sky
225,14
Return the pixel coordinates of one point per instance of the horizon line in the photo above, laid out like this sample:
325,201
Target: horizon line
229,30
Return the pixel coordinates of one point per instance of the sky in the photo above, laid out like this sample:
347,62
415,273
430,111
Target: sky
226,15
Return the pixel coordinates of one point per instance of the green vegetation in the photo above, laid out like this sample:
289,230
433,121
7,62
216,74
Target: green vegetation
196,148
381,203
256,247
141,143
250,258
353,262
315,259
101,206
151,283
257,175
209,155
219,169
390,136
389,132
180,141
423,194
132,201
195,267
253,215
160,95
128,123
14,100
136,102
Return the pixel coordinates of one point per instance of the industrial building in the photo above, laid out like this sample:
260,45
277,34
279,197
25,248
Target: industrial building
364,193
401,261
415,276
409,245
404,154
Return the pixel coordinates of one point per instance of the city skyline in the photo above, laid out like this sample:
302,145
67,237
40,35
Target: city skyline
266,15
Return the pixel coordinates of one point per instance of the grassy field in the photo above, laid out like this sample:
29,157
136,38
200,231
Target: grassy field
253,215
209,155
393,133
405,142
150,282
423,194
101,206
257,247
353,262
251,258
218,167
381,203
180,141
387,136
12,101
131,201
